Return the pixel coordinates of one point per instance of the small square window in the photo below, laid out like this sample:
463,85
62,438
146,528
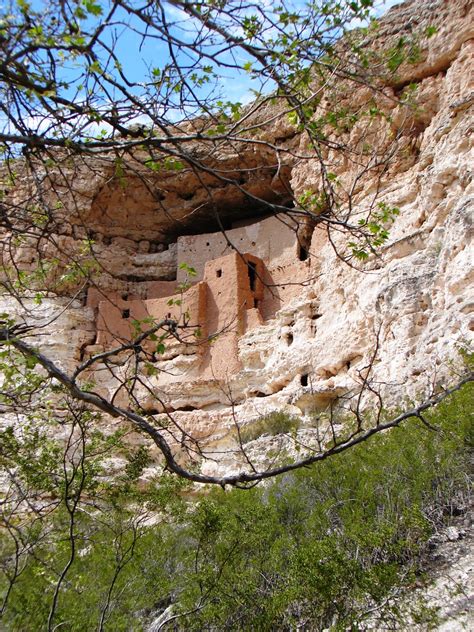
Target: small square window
125,313
218,273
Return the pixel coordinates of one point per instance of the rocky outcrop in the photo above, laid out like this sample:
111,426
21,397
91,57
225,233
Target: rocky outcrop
315,328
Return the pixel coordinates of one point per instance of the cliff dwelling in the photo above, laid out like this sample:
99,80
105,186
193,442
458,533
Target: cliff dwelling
239,279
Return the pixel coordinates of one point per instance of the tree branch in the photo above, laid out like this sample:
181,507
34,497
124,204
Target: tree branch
243,478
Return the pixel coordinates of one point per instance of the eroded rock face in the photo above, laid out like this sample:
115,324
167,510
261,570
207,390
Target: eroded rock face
300,331
320,322
413,302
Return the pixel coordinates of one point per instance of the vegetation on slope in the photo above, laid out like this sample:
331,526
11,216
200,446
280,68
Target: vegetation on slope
321,547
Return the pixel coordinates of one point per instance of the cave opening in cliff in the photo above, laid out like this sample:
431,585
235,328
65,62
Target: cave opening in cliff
147,208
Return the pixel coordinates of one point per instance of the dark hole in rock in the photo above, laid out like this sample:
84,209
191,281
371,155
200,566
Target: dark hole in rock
158,195
154,411
304,379
252,272
125,313
303,253
305,234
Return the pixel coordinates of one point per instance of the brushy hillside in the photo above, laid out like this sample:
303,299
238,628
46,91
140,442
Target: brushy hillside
318,549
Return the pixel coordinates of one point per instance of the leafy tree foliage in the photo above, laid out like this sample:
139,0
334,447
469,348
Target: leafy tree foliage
144,85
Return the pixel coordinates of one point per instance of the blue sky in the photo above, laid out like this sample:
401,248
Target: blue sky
233,87
139,56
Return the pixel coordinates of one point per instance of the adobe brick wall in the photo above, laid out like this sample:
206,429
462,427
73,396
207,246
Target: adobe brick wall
273,240
229,296
235,291
115,316
188,309
114,319
160,289
225,304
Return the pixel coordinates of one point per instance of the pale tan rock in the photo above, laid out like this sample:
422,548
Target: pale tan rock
310,336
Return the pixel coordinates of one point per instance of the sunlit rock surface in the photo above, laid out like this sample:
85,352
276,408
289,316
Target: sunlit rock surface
305,336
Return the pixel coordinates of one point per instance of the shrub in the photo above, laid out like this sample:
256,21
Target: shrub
325,545
274,423
313,550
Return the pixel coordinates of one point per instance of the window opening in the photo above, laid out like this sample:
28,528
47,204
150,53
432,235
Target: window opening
304,379
218,273
125,313
252,272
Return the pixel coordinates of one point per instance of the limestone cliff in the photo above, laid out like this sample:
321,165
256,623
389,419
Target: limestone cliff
266,309
292,325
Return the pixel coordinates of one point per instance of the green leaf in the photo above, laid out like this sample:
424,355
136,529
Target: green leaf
293,118
187,268
92,7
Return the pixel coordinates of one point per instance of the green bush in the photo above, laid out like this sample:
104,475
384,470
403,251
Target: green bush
315,549
274,423
324,545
